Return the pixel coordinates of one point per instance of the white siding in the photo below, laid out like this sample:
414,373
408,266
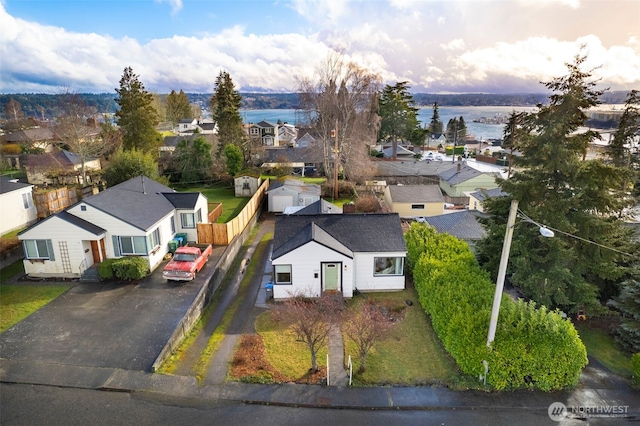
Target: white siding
365,279
13,215
60,233
305,264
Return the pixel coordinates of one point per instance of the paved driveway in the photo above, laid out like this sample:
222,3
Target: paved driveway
105,325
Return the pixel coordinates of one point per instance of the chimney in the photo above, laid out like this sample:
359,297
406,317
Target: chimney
348,208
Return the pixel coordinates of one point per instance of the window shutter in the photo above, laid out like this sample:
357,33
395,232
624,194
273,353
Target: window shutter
116,246
50,250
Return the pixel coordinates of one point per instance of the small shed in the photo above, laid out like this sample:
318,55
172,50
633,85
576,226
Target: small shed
414,200
291,192
246,185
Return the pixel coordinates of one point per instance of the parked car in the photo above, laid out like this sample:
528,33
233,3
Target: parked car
186,262
420,219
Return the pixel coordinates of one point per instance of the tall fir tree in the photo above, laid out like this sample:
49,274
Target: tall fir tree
225,107
136,116
436,127
623,151
178,107
628,304
399,116
557,187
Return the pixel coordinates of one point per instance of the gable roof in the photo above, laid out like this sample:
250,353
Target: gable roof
483,194
30,135
311,154
319,207
401,151
56,159
80,223
415,193
182,200
140,201
453,176
461,224
296,185
9,185
363,233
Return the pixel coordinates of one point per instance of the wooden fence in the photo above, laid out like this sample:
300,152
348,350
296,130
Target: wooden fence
215,211
221,234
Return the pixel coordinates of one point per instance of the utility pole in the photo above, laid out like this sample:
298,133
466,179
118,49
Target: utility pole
335,162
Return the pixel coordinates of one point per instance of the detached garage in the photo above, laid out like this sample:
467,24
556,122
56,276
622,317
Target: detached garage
291,193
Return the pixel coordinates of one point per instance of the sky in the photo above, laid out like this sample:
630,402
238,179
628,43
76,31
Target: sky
472,46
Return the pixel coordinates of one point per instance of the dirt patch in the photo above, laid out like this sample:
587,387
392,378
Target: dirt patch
250,364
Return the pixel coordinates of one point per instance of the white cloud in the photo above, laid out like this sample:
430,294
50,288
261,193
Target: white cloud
457,44
176,5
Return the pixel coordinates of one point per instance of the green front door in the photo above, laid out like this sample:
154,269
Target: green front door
331,276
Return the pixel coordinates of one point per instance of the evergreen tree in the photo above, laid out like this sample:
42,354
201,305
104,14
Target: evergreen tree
558,188
623,149
129,164
436,127
399,116
225,108
193,160
234,159
628,303
178,107
136,116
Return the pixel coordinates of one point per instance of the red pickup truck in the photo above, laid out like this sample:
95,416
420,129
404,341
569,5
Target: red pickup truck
187,260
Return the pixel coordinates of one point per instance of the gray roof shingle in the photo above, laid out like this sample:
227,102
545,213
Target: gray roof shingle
416,193
355,232
140,202
8,185
462,224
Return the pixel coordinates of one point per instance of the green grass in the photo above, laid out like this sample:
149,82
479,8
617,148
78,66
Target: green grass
410,355
221,193
18,302
11,270
602,346
285,353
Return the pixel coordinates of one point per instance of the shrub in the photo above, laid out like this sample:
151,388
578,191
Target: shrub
105,270
635,365
130,268
533,348
367,204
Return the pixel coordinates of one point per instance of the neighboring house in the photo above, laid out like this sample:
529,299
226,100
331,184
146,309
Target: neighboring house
305,140
287,134
135,218
414,200
247,185
304,161
316,254
59,167
38,137
291,192
460,179
265,132
319,207
401,152
17,207
186,126
462,224
435,139
207,127
476,199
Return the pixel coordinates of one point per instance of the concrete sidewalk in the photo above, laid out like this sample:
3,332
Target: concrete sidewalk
372,398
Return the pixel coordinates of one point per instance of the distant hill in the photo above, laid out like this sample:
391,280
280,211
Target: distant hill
46,106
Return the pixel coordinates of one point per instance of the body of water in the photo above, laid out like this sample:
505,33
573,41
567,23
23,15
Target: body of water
481,131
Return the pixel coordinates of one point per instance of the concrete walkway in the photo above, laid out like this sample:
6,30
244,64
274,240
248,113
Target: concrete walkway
337,374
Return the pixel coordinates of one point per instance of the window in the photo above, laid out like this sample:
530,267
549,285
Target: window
153,240
388,266
187,220
245,185
133,245
173,225
38,249
417,206
83,208
199,216
283,274
27,201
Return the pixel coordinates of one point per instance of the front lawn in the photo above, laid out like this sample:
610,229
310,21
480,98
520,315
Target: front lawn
18,302
601,345
11,270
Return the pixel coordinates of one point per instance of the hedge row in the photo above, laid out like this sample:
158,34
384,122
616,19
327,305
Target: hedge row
534,348
124,268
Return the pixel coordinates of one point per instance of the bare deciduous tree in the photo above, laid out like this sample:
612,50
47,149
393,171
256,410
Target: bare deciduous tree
365,325
311,320
76,129
342,99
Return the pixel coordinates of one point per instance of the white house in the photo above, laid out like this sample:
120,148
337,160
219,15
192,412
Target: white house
291,192
135,218
16,205
341,253
287,134
186,125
